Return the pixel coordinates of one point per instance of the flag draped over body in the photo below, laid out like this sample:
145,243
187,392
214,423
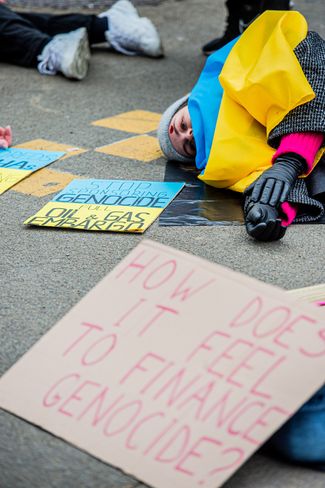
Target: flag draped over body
244,91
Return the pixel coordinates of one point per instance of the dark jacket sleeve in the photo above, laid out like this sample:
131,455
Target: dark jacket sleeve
311,115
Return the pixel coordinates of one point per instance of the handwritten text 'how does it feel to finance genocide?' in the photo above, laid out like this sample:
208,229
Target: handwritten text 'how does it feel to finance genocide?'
172,368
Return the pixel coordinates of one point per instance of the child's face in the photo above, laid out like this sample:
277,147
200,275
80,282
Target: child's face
181,133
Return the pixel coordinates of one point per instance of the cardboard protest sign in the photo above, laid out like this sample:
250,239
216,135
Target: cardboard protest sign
172,368
16,164
107,205
312,294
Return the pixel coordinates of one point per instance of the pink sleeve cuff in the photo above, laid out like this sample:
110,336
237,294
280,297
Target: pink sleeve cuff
290,211
306,144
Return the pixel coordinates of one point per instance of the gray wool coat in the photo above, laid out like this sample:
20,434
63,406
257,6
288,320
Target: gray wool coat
309,192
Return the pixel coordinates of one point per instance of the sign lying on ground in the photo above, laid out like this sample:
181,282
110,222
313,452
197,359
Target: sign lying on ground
312,294
172,368
107,205
16,164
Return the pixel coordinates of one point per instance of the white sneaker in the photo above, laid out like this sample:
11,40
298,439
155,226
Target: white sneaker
122,6
130,34
68,54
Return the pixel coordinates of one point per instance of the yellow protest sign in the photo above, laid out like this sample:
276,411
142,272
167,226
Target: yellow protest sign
9,177
16,164
95,217
107,205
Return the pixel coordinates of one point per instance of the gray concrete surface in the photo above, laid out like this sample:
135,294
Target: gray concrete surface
75,4
45,272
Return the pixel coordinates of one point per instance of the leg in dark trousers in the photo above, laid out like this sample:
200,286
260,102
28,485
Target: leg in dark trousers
60,43
20,41
23,36
61,24
240,14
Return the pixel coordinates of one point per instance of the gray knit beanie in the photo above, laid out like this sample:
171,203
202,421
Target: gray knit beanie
163,133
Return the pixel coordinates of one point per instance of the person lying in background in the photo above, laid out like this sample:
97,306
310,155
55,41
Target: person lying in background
60,43
254,123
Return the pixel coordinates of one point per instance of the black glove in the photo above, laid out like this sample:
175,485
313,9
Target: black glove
262,221
274,185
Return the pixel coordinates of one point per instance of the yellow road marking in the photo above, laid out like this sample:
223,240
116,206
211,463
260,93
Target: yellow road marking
136,121
143,148
45,145
44,182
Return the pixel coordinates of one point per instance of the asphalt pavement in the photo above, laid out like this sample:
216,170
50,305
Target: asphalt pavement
45,272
